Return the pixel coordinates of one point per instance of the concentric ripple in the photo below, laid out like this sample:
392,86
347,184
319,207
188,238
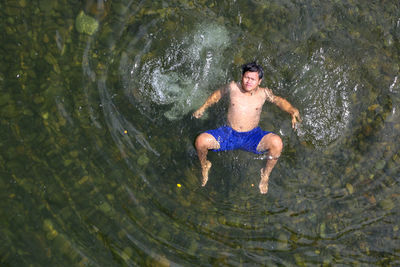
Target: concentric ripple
150,74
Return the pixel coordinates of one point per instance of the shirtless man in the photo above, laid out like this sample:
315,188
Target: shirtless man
242,132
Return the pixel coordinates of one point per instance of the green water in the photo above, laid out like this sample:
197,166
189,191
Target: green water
96,133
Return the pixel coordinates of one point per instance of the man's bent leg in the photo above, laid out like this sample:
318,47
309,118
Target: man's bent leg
272,143
203,143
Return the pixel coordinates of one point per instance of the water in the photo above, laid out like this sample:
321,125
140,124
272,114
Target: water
97,160
182,75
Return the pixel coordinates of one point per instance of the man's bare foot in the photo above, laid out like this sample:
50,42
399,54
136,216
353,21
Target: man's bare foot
263,183
204,170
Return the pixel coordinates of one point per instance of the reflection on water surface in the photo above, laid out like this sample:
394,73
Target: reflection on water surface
96,133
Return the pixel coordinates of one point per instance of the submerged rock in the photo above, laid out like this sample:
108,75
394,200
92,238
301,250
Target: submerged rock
143,160
86,24
350,188
387,204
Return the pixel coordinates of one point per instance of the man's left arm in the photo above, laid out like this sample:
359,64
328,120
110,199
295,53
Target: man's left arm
285,106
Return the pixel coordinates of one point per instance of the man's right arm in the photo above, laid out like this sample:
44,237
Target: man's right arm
211,100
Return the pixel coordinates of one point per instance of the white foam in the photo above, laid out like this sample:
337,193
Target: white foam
324,92
184,74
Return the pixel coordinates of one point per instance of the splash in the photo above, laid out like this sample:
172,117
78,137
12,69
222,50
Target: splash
183,77
325,91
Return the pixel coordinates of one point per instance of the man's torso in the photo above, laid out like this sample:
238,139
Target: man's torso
244,109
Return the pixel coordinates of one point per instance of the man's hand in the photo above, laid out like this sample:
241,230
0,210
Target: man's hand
295,118
286,106
211,100
198,113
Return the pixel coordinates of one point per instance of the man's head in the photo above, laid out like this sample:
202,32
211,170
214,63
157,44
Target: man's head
252,75
253,67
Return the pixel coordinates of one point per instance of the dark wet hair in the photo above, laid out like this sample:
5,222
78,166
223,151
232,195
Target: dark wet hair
253,67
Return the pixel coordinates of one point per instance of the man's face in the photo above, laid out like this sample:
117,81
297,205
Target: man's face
250,81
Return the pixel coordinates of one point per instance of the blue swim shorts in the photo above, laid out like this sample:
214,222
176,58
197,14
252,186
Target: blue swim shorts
230,139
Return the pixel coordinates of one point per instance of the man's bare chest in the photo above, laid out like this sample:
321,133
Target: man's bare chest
245,102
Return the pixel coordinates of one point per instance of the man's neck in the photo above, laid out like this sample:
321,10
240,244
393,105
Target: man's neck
249,93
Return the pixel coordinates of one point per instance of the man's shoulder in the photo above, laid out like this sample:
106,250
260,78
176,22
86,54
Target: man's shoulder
233,85
229,87
268,94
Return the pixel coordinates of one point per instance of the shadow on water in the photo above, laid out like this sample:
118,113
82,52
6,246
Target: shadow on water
97,136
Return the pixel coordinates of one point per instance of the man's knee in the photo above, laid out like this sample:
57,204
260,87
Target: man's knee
205,141
199,143
276,143
271,142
